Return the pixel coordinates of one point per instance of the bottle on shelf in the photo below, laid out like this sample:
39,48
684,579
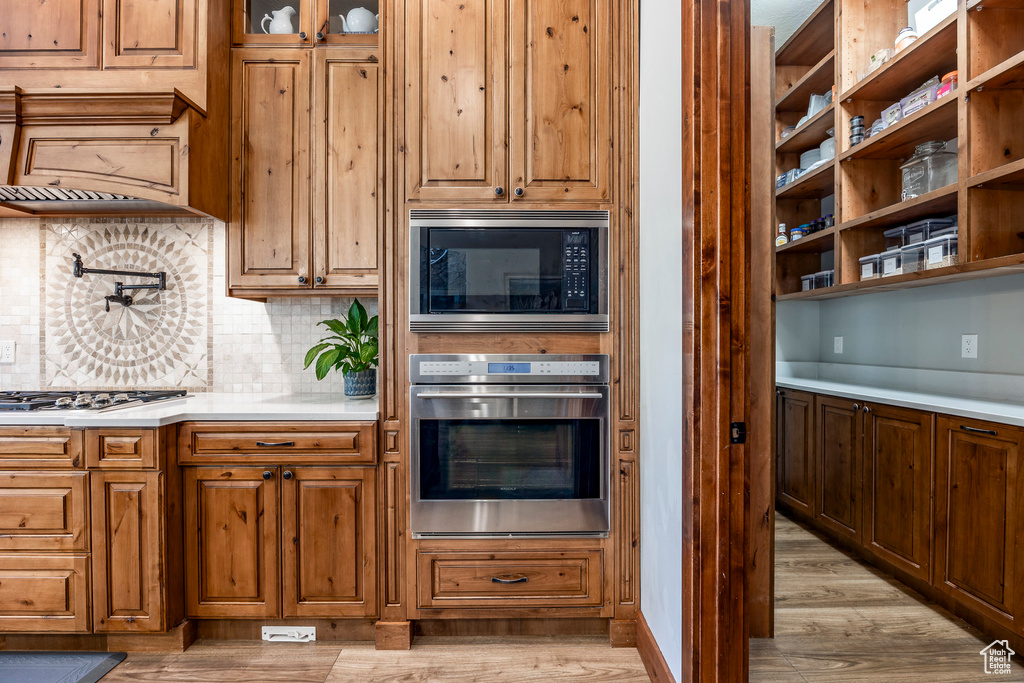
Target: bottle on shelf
781,239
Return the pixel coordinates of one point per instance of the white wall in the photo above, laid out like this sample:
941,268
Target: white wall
661,328
785,15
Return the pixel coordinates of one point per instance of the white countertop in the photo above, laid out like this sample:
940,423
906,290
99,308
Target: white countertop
210,407
979,409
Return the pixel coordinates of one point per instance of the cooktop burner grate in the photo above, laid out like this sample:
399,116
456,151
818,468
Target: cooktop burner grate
82,400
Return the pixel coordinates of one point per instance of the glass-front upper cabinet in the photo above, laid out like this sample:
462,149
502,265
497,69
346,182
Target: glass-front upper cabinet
305,22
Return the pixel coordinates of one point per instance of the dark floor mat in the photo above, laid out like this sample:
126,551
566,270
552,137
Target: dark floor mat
57,667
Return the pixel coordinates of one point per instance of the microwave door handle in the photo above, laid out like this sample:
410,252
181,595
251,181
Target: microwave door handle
509,395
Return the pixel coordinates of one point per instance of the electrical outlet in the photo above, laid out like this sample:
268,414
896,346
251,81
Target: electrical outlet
837,346
6,352
969,346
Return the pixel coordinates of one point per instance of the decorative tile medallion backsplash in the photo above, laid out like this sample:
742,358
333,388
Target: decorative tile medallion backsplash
191,335
163,340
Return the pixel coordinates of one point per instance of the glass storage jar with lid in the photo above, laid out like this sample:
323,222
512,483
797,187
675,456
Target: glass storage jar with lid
932,167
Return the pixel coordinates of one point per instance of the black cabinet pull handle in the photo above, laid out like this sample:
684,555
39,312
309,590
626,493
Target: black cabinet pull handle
867,410
520,192
319,279
508,578
267,474
856,406
274,444
302,35
778,392
499,191
302,279
975,430
287,474
320,33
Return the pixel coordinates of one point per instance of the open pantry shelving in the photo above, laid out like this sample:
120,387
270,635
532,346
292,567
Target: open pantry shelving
983,42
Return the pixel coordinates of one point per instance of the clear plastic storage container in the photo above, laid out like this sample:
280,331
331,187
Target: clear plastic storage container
912,257
892,263
923,230
941,252
824,279
943,231
932,167
806,283
895,237
870,267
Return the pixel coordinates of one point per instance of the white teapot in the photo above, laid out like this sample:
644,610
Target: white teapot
281,22
359,20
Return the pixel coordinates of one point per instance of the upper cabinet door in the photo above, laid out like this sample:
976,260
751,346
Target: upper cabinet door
56,34
455,109
150,34
272,22
348,161
561,100
269,236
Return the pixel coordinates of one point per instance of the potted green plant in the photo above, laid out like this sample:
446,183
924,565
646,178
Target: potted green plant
351,347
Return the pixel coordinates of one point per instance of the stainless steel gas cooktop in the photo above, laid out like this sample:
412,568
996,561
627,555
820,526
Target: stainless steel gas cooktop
83,400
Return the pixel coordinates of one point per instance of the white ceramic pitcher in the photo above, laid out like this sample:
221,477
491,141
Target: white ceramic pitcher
281,22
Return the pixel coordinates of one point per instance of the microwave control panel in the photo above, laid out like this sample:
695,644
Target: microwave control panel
511,368
575,270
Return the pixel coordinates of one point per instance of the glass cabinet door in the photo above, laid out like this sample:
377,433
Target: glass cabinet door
272,22
348,22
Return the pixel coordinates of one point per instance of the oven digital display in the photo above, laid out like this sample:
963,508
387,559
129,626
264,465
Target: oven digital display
509,368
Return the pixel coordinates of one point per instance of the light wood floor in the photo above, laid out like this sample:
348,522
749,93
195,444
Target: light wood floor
836,620
584,659
840,620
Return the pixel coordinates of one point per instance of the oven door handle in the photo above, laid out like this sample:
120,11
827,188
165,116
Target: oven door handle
511,395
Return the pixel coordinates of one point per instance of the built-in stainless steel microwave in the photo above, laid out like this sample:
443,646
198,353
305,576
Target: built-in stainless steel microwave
523,271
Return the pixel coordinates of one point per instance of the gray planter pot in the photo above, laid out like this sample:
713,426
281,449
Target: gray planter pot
361,384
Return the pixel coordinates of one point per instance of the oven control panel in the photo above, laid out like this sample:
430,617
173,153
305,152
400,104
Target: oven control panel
508,368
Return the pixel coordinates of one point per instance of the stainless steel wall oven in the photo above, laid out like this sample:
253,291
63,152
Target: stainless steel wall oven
486,270
509,445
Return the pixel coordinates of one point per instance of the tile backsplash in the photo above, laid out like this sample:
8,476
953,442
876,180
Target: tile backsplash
191,335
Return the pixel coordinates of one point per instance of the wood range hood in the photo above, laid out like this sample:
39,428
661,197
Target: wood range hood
111,153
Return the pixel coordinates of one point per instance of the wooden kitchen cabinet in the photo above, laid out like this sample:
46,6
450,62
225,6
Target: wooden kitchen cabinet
129,551
308,171
978,505
329,566
315,22
44,511
321,522
57,34
795,452
838,442
544,134
269,234
897,498
232,543
150,34
44,593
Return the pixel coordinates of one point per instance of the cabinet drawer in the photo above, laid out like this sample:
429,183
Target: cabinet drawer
510,579
43,511
121,448
44,593
294,443
36,448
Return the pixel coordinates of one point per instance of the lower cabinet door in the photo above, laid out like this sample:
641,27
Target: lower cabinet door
795,451
44,593
127,554
231,541
978,492
839,435
328,525
897,487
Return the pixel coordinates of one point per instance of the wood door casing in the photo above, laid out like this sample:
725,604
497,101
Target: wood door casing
269,235
456,116
978,488
232,544
44,511
57,34
328,523
128,549
151,34
795,452
839,438
348,165
560,98
898,457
